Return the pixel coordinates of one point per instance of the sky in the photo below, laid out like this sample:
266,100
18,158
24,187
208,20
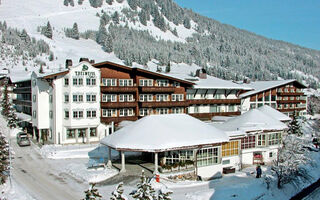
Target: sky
294,21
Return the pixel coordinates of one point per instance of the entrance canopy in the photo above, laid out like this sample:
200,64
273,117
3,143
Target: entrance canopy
158,133
23,117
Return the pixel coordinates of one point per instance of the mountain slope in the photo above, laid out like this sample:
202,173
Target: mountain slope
137,32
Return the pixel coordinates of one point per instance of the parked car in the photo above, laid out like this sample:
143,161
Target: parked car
23,139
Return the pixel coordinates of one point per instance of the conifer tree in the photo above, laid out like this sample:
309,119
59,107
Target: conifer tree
4,159
164,194
5,100
145,190
115,17
108,44
75,31
294,126
92,193
12,118
48,31
118,193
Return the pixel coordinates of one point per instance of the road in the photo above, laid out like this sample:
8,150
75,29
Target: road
314,195
39,179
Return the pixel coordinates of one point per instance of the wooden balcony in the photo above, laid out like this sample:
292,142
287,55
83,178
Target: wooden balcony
22,90
22,102
290,109
119,104
157,104
290,93
214,101
208,116
118,89
290,101
118,119
156,89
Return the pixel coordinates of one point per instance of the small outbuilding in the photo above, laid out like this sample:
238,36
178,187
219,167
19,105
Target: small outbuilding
177,141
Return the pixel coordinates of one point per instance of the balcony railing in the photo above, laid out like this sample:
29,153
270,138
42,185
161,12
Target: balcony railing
290,93
208,116
22,90
155,89
154,104
214,101
119,104
291,101
22,102
291,109
118,119
118,89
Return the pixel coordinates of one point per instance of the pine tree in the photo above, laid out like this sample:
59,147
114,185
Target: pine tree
145,190
12,118
48,31
75,31
164,194
102,34
108,44
115,17
92,193
5,100
168,67
294,126
186,23
118,193
4,159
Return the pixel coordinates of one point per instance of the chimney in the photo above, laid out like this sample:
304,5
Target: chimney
68,63
84,59
201,73
246,80
92,61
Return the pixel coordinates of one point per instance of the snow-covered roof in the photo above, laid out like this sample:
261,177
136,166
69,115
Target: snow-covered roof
23,117
157,133
20,77
212,82
221,118
274,113
260,86
253,120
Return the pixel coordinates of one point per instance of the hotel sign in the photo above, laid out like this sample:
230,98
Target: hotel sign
84,72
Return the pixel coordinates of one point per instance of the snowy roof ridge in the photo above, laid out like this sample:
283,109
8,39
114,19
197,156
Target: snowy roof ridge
260,86
157,133
274,113
212,82
253,120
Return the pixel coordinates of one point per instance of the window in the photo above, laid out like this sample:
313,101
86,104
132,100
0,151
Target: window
80,81
178,156
144,111
176,84
66,114
260,99
50,98
270,154
91,98
93,132
71,133
196,109
75,81
146,97
217,96
91,114
261,140
253,106
34,98
213,108
109,112
177,110
208,156
162,111
162,97
125,98
273,98
145,82
162,83
109,82
50,114
77,98
109,98
274,138
91,81
34,114
267,98
77,114
66,81
177,97
125,112
248,142
125,82
230,149
34,83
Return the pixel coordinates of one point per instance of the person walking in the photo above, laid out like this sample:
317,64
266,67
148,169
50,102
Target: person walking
259,171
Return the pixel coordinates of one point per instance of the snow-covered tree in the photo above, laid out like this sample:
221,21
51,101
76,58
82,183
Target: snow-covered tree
294,126
92,193
108,44
102,34
145,190
5,103
115,17
47,31
118,193
75,31
12,118
4,159
291,156
186,23
109,2
164,194
96,3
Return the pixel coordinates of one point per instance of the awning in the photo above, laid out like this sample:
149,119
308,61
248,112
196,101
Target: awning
22,117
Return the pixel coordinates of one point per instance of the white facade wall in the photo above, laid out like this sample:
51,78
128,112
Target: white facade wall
247,154
51,105
211,171
234,162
